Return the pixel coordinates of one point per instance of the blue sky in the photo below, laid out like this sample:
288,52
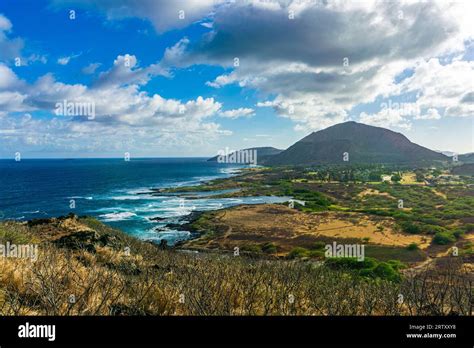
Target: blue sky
162,79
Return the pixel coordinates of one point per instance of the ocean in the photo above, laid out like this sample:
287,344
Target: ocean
115,191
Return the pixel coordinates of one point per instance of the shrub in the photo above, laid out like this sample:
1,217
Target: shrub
350,263
14,235
410,227
396,178
297,252
458,233
383,270
369,267
375,176
419,177
443,238
386,271
318,245
316,253
396,264
412,246
433,229
269,248
253,248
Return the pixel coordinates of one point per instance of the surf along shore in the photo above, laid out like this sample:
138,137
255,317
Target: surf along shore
322,212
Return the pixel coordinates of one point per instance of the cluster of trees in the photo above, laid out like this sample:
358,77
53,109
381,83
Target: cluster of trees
353,173
441,235
369,267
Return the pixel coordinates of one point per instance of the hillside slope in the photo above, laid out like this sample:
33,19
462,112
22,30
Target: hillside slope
466,158
465,169
87,268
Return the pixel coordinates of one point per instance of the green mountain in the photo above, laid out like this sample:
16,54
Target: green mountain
362,143
466,158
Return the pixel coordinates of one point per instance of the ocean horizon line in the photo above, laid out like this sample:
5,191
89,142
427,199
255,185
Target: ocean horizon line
98,158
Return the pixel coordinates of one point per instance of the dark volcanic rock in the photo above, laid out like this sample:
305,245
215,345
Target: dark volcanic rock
157,218
79,240
87,240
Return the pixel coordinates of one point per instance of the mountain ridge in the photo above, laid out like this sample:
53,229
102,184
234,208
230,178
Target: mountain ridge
360,143
349,142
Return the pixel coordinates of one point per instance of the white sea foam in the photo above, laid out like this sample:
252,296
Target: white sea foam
139,190
199,179
81,197
109,209
230,170
132,197
117,216
172,236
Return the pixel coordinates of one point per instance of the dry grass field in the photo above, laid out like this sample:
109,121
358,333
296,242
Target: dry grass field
288,228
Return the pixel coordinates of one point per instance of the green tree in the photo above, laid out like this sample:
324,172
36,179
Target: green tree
396,178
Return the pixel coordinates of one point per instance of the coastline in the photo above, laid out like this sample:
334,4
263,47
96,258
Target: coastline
112,190
257,250
117,274
332,211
